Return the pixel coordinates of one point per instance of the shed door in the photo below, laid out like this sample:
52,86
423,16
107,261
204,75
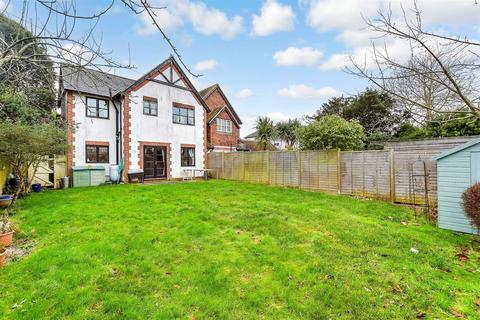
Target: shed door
475,167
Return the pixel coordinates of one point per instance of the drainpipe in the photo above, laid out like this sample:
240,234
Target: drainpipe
118,132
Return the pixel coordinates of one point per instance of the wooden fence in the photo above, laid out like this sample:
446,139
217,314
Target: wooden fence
398,176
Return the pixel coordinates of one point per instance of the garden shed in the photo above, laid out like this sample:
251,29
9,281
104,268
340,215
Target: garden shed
457,170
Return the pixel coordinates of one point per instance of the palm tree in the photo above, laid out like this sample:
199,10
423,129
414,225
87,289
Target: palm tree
265,132
287,131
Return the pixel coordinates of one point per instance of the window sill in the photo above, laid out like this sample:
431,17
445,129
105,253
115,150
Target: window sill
185,124
101,118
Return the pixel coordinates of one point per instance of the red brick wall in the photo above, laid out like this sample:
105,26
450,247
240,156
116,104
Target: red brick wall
214,101
223,139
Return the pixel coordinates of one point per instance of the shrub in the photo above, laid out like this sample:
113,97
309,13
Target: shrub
331,132
471,204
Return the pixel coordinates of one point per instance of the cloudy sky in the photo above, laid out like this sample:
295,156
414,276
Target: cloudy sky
272,57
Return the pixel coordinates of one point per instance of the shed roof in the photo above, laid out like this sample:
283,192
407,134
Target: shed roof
457,149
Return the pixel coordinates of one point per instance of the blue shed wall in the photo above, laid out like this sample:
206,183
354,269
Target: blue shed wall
454,176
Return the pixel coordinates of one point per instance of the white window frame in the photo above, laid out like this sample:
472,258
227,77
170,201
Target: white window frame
224,125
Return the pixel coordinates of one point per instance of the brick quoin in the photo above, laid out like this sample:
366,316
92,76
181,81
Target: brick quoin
126,136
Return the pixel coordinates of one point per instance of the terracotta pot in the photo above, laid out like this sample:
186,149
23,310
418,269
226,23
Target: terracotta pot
6,239
3,253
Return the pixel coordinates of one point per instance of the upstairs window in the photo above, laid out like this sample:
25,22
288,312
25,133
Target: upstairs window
224,126
150,106
183,114
97,108
96,154
188,157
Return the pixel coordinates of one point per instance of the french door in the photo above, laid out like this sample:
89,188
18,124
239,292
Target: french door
154,162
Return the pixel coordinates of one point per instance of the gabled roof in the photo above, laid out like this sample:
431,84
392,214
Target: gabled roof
456,149
205,93
92,81
105,84
170,61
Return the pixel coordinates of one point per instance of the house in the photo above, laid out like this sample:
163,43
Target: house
457,170
223,123
278,144
157,123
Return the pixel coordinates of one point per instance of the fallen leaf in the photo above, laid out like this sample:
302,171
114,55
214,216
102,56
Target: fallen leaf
421,315
462,257
405,223
477,303
457,314
177,286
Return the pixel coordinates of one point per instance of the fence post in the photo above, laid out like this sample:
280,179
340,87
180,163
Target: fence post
392,175
223,165
243,166
339,173
299,168
268,166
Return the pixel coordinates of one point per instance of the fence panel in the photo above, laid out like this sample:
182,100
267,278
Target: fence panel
256,167
402,176
415,177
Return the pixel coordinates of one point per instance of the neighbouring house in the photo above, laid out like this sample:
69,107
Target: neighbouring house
223,123
277,143
157,123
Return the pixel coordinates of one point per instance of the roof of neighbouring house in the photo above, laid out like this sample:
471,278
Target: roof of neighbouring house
252,135
457,149
205,93
248,145
208,90
93,81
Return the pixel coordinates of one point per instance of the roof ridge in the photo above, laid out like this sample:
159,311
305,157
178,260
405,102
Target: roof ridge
98,71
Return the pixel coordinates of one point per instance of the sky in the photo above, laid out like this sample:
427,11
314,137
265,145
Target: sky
277,58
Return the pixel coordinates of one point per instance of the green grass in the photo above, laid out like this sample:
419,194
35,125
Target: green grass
229,250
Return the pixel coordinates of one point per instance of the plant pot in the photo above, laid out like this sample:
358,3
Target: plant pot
5,201
6,239
3,253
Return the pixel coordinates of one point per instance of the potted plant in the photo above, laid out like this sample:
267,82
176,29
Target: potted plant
6,230
5,201
3,253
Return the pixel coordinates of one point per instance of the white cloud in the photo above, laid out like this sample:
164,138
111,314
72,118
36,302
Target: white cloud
302,91
244,93
206,65
325,15
165,18
293,56
274,17
204,20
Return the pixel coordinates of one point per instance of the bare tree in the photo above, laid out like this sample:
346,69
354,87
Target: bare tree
439,76
64,35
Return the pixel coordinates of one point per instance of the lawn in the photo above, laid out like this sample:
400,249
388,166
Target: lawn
230,250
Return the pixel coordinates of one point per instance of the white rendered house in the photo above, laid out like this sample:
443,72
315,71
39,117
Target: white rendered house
156,123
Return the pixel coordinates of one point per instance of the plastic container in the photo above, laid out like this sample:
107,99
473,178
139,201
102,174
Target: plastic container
114,174
36,187
5,201
65,182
